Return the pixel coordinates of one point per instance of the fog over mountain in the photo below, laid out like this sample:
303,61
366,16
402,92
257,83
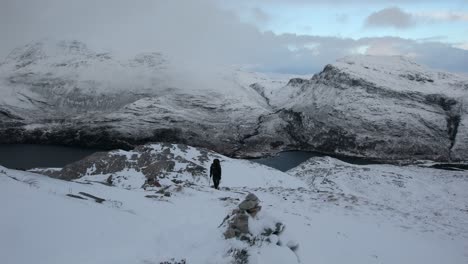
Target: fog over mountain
206,33
386,108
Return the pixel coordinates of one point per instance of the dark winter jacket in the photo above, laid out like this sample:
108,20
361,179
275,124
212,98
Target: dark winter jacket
215,169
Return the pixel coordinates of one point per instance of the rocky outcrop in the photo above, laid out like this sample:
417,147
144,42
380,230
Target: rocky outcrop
152,161
380,108
237,226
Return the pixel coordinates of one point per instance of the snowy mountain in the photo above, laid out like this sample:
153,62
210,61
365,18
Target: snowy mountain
380,107
327,211
65,93
376,107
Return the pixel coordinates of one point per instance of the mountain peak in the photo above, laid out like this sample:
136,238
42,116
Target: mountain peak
376,63
399,73
47,48
148,59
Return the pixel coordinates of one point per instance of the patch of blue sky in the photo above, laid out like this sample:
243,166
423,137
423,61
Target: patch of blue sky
349,22
312,20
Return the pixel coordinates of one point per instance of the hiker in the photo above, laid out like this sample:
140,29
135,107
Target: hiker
215,172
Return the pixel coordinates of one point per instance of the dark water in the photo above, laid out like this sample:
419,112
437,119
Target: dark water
27,156
289,159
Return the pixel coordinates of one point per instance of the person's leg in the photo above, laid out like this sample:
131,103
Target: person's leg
216,182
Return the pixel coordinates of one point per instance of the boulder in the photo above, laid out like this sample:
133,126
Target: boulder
238,224
250,204
262,232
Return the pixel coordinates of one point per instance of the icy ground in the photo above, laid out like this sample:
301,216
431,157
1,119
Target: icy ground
336,212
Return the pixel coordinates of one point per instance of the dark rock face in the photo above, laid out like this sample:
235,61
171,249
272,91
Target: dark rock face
152,160
174,261
341,112
55,101
385,109
261,91
297,82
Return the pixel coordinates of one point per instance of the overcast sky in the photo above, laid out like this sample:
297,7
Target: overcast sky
289,36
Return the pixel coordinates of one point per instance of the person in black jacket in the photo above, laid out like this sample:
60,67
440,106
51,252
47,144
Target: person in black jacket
215,172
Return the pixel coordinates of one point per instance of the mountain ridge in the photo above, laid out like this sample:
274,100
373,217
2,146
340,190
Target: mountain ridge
382,108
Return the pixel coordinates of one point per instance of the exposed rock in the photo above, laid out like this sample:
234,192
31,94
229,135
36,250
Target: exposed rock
237,226
279,227
76,196
238,221
97,199
241,223
380,108
174,261
240,256
55,101
109,180
297,82
261,91
250,204
153,196
154,161
178,188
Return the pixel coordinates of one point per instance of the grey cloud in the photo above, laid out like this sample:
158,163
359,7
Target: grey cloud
196,32
260,15
390,17
449,16
331,2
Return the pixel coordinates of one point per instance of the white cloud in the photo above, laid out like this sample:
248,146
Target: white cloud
462,46
449,16
397,18
330,2
390,17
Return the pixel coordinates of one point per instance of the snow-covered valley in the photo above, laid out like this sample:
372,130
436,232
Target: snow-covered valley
333,212
152,203
386,108
65,93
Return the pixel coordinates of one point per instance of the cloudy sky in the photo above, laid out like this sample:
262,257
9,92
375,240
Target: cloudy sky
288,36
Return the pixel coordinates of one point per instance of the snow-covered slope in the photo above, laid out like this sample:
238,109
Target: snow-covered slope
169,162
335,212
379,107
415,197
65,93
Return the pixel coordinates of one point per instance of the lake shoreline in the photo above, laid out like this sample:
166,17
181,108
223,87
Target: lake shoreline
29,156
